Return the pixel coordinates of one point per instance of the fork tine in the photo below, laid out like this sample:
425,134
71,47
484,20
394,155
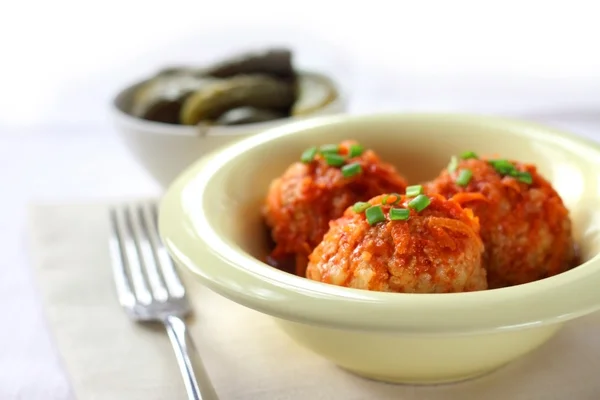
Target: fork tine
141,232
131,255
174,285
124,292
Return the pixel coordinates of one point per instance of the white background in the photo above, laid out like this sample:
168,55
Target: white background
61,61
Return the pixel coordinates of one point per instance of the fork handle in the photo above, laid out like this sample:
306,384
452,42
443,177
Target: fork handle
190,365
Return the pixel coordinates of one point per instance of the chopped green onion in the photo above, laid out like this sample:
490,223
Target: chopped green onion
518,174
308,155
351,170
399,214
504,167
524,177
453,164
374,215
464,177
419,203
355,150
398,198
335,160
329,149
468,154
385,200
414,190
360,206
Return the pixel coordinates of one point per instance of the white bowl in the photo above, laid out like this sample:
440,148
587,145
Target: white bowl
164,150
210,221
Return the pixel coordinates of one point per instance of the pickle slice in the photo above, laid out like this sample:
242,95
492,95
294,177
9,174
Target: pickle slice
258,91
275,62
248,115
314,93
160,99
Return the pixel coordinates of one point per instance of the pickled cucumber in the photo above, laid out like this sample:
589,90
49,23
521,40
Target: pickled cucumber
258,91
161,98
314,93
275,62
248,115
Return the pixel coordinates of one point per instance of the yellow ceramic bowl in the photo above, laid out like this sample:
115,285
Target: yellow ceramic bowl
210,221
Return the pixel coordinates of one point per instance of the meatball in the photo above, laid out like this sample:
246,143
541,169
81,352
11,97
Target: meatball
525,226
436,250
300,204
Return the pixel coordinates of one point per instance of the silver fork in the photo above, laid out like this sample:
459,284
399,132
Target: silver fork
150,290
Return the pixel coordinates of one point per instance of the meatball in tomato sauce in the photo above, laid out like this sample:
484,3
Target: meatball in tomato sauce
525,226
420,244
316,190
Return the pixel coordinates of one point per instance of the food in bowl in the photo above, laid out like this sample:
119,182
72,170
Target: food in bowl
210,217
318,188
397,243
225,96
252,87
525,226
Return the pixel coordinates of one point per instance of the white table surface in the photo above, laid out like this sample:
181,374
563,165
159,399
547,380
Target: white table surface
57,145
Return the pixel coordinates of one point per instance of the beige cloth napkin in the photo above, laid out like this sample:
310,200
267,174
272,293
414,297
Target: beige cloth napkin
108,357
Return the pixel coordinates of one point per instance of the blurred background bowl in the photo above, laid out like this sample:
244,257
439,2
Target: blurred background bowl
165,150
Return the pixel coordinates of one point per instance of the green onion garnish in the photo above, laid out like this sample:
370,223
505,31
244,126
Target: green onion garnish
468,154
360,206
464,177
399,214
419,203
335,160
329,149
398,198
415,190
453,164
308,155
374,215
504,167
524,177
355,150
384,199
351,170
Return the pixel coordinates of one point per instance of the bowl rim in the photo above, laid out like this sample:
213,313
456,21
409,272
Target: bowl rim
294,298
161,128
